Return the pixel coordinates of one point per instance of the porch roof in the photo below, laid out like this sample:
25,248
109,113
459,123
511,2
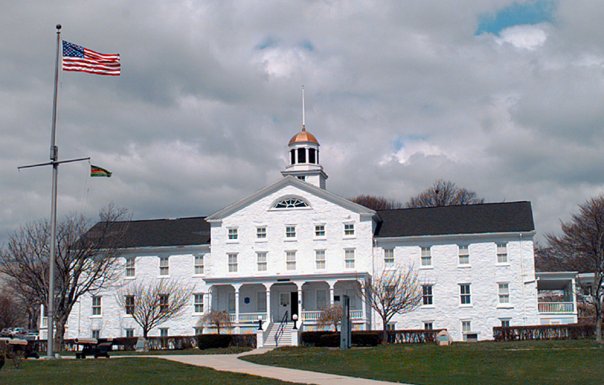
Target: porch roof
287,278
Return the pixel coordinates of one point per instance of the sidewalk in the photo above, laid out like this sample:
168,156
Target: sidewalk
231,363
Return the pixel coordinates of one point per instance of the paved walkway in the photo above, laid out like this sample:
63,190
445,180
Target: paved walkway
231,363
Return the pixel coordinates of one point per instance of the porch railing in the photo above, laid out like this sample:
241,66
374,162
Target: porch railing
314,315
556,307
247,317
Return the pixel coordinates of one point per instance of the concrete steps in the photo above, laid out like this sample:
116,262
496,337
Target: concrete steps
284,340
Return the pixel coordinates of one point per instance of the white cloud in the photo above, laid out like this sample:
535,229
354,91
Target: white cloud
528,37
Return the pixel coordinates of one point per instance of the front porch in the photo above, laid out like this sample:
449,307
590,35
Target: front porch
277,300
556,293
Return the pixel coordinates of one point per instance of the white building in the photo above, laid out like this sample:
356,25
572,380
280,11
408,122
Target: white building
294,248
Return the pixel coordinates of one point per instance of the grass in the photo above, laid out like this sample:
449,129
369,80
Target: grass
534,362
120,372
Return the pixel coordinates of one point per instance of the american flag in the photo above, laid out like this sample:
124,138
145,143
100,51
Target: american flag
78,58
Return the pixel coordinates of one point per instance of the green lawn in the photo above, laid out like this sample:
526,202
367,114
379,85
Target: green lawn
538,362
120,371
229,350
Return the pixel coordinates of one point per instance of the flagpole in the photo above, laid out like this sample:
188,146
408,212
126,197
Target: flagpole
54,156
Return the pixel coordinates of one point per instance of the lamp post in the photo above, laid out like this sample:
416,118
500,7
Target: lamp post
295,318
259,322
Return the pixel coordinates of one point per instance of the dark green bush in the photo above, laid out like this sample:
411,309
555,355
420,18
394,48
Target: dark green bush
366,338
210,341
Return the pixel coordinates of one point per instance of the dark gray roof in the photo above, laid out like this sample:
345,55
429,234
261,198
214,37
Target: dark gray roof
162,232
466,219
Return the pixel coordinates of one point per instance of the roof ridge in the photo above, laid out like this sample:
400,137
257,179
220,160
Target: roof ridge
459,205
159,219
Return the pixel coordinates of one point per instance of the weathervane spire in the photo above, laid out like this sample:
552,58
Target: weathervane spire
303,112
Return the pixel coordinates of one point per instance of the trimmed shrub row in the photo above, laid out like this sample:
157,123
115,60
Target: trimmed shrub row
210,341
332,339
544,332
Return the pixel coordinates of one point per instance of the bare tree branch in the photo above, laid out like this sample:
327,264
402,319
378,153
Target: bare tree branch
392,292
217,318
444,193
152,303
331,316
581,246
377,202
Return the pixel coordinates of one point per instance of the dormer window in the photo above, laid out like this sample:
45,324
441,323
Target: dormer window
290,203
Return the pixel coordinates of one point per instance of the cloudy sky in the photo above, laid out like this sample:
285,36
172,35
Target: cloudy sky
504,98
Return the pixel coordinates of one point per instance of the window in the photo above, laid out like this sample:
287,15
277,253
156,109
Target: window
96,334
163,302
427,295
164,265
261,260
349,258
290,231
319,231
428,326
505,323
290,203
320,259
464,255
129,333
301,155
231,302
96,305
233,234
301,177
389,257
504,293
261,232
163,332
466,326
130,267
198,331
290,260
199,264
232,257
129,304
198,303
311,155
261,301
321,299
502,253
348,229
292,157
464,294
391,326
426,257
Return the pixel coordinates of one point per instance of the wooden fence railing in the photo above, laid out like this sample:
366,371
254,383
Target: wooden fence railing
543,332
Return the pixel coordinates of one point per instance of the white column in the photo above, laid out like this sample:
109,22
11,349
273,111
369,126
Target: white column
237,287
300,304
207,306
331,292
364,307
267,287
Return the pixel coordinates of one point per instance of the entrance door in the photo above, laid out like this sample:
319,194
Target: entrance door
294,305
284,305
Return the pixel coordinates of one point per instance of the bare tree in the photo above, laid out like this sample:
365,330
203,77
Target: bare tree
152,303
444,193
392,292
331,316
11,311
581,245
375,202
85,260
217,318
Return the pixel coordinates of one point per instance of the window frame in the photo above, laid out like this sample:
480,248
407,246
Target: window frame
502,251
320,263
320,233
389,258
465,298
164,302
290,260
198,305
232,262
463,256
427,295
349,263
349,230
130,267
164,266
503,298
129,304
199,267
290,232
97,305
426,253
428,325
261,232
232,234
261,265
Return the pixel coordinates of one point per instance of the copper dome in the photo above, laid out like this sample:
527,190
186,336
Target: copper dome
303,137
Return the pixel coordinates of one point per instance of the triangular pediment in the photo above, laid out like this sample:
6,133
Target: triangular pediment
295,182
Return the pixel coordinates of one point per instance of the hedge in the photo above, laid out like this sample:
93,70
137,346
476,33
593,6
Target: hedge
209,341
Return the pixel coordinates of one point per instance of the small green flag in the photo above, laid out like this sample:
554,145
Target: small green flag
99,171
